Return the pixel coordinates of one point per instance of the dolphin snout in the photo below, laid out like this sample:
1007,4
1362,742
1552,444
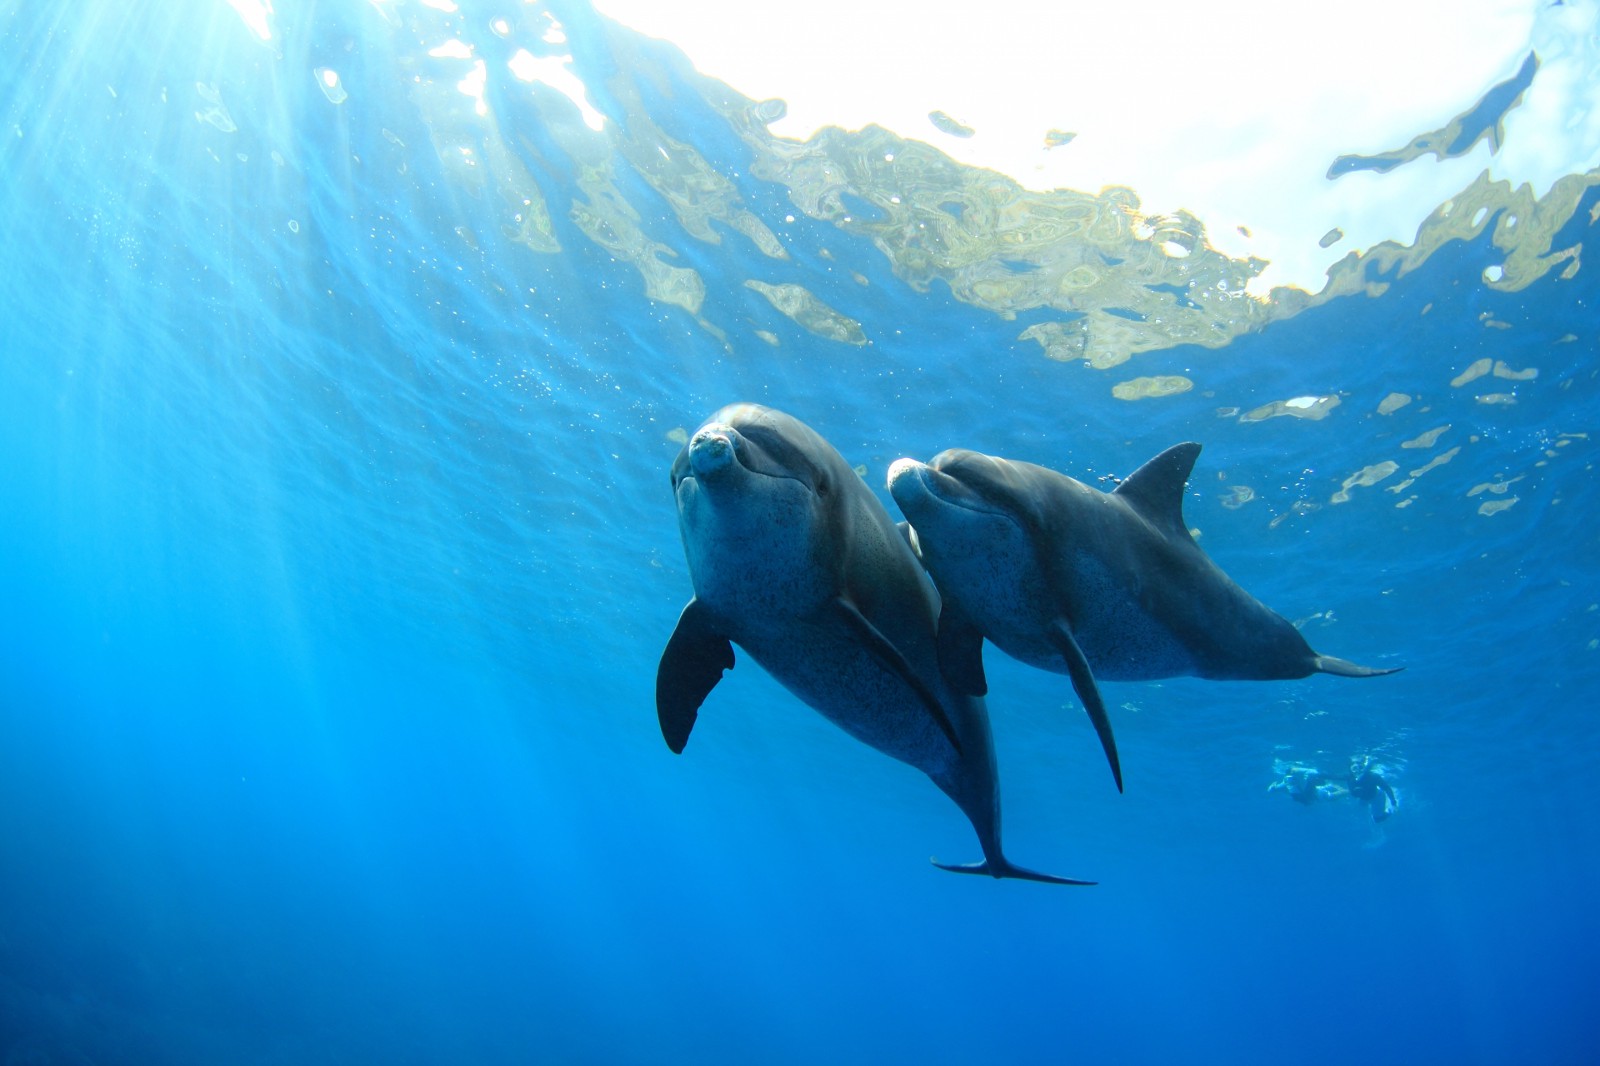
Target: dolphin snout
912,484
901,468
712,449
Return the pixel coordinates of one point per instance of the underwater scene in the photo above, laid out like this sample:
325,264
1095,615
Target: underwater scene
524,529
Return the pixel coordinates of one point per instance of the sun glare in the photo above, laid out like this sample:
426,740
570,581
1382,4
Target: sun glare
257,15
555,72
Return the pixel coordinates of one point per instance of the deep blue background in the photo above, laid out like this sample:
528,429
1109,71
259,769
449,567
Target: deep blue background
335,561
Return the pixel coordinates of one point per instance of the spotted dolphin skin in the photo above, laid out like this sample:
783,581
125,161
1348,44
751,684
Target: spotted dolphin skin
1091,584
794,559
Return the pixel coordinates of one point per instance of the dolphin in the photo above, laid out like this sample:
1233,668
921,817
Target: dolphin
794,559
1107,585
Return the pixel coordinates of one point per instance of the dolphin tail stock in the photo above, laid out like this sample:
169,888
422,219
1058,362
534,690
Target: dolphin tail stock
1002,868
1328,664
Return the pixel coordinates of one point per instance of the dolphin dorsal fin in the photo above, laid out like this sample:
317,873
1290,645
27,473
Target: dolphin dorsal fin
1155,490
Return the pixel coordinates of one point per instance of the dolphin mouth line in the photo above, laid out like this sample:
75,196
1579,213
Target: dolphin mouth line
980,505
691,476
773,474
775,477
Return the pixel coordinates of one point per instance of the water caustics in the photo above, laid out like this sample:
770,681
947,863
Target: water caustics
1123,279
572,125
568,134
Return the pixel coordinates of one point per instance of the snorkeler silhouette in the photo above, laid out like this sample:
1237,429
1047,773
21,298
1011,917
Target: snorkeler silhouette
1369,786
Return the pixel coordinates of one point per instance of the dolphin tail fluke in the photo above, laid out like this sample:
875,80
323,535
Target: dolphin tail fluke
1002,868
1327,664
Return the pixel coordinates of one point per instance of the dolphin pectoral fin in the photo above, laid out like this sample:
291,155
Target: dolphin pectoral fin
693,662
889,655
1006,869
961,652
1088,692
1327,664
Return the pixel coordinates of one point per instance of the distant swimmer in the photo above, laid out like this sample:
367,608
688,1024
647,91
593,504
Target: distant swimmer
1305,784
1368,785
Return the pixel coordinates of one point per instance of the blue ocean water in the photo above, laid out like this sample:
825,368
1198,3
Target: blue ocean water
337,553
